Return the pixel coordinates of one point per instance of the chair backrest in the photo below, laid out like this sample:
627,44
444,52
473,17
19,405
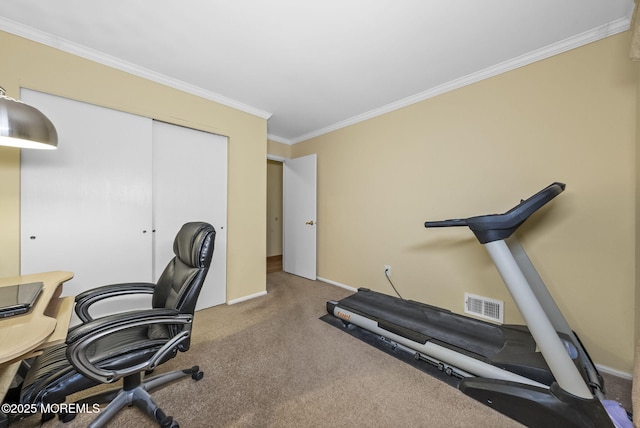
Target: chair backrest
181,281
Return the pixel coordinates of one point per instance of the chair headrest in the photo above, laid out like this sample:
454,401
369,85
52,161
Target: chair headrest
194,244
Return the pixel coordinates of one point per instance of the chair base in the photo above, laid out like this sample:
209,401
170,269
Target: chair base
135,391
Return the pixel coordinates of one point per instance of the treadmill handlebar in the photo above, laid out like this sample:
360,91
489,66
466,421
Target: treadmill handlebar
496,227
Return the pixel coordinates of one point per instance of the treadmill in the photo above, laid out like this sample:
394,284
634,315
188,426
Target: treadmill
538,374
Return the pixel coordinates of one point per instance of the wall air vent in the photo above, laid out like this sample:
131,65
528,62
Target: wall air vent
484,307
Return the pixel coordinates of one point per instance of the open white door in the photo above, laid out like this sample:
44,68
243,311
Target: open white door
299,199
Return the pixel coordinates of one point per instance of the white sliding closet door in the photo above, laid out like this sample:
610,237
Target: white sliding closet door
108,203
86,207
190,184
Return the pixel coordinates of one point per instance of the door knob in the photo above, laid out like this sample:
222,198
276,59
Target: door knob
310,223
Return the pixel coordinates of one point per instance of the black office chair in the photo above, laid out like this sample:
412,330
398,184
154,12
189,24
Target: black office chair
130,344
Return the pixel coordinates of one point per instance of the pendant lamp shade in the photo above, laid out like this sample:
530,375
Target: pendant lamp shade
24,126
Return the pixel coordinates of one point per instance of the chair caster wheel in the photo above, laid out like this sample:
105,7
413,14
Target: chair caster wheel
66,417
168,422
47,417
196,374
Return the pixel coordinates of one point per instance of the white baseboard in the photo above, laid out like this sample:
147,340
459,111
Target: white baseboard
614,372
245,298
337,284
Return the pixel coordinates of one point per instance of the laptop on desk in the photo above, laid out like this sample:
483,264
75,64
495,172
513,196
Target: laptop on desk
18,298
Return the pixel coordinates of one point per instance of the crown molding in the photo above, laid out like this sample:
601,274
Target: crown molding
573,42
31,33
279,139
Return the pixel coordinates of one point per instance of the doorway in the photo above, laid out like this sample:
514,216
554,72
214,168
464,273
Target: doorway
274,215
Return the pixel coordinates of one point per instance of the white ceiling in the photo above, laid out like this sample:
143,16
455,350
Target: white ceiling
315,66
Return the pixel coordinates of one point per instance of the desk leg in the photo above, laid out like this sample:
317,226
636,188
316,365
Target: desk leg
7,373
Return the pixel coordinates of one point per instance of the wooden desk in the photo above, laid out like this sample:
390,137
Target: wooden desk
45,325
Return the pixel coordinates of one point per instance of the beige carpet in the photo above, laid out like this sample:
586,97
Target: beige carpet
270,362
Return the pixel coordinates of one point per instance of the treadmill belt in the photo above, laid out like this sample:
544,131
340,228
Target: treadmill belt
441,326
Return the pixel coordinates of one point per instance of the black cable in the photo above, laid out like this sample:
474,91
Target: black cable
386,273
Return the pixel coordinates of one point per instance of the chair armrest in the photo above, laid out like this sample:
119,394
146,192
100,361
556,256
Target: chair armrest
89,297
81,338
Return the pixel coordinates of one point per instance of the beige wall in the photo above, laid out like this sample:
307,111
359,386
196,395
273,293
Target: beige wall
31,65
278,149
9,214
480,149
637,290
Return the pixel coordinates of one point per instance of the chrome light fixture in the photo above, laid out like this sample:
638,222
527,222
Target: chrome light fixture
24,126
